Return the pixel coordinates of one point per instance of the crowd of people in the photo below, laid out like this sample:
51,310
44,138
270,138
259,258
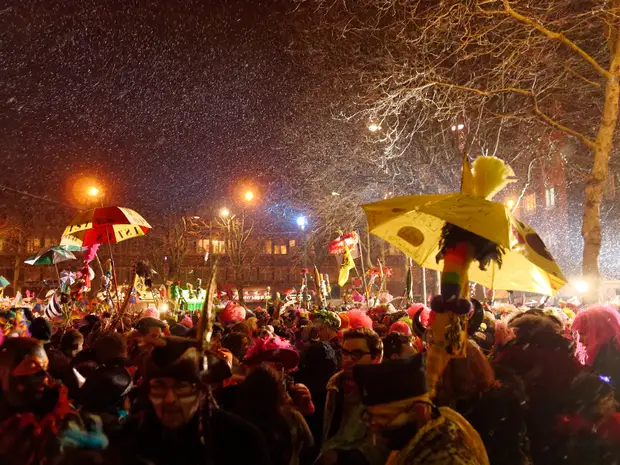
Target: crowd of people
302,387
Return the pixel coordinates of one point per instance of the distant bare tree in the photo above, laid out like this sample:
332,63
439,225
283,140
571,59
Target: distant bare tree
237,230
173,239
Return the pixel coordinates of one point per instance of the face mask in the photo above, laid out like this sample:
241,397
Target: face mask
27,390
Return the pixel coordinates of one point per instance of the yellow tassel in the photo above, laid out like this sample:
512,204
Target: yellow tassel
491,175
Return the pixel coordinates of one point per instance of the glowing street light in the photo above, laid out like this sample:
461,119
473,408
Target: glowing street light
224,212
373,127
249,196
510,203
581,286
93,191
458,127
302,222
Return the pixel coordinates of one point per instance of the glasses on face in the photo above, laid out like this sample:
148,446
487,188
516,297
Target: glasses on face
355,354
159,389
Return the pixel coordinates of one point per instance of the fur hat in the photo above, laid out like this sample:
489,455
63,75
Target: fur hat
272,349
392,380
359,319
104,389
177,358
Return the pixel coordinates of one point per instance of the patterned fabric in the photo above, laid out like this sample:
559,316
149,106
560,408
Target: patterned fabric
446,440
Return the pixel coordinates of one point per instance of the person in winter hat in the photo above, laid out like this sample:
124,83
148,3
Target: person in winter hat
36,418
328,325
403,417
178,424
280,355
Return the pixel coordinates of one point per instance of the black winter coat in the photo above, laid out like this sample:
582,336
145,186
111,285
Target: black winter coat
228,440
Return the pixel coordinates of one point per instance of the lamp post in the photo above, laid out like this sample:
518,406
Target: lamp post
302,222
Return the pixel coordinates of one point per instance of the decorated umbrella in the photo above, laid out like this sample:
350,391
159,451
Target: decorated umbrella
53,255
470,238
414,224
105,225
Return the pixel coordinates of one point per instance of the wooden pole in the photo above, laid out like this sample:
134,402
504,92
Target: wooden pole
205,324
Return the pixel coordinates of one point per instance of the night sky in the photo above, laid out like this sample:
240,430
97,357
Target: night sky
166,101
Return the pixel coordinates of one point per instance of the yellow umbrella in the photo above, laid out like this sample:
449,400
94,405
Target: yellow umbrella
414,225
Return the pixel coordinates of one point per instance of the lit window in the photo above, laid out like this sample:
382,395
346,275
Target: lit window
268,247
218,247
280,249
530,202
550,197
291,243
202,245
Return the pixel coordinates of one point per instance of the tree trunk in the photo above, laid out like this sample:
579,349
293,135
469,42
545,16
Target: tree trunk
240,288
595,187
16,267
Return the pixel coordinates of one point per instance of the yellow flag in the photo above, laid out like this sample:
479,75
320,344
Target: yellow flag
467,178
347,265
140,287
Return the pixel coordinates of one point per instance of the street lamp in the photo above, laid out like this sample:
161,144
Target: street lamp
249,196
581,286
302,222
224,212
373,127
510,203
93,191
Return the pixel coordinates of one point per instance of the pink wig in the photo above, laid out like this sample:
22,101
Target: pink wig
359,319
599,324
187,322
232,313
503,333
151,312
400,327
424,316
